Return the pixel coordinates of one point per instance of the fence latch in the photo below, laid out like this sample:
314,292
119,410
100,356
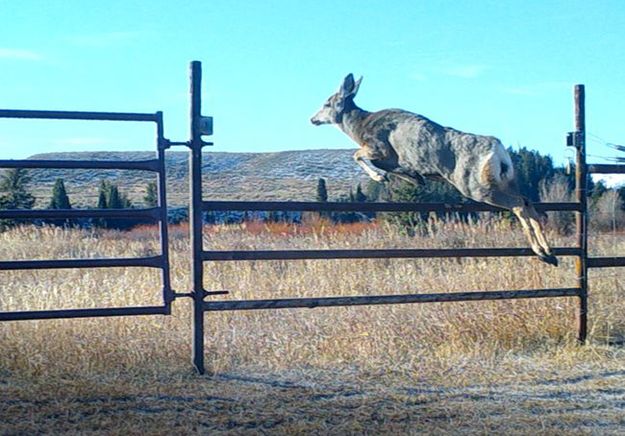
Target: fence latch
206,126
574,139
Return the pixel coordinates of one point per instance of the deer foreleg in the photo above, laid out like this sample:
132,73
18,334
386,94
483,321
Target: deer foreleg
363,159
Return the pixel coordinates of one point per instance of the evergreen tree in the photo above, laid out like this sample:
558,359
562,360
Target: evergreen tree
102,203
151,195
432,192
531,168
375,191
13,187
118,200
322,191
598,189
14,193
114,199
109,197
102,195
59,199
359,197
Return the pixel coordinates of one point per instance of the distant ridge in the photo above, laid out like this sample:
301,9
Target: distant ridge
284,175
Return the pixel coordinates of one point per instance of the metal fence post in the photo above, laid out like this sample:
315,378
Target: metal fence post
581,217
195,215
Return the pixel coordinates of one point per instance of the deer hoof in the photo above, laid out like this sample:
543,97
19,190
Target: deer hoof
549,258
380,178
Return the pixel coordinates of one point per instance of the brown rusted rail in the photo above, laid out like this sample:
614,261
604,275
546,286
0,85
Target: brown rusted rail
606,169
83,313
78,115
360,300
145,262
302,206
150,213
605,262
399,253
145,165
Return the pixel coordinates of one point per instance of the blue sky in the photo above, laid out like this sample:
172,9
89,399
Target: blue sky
502,68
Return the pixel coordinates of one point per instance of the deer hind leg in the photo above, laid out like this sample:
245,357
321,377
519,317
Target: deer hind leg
530,222
363,157
408,176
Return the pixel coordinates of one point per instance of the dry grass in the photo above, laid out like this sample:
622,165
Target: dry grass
466,367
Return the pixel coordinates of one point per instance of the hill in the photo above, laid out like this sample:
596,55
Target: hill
286,175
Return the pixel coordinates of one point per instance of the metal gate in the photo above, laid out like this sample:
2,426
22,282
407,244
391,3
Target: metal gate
202,126
156,214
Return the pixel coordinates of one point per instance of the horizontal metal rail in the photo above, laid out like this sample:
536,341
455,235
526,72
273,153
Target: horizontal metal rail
147,262
76,115
311,303
606,169
153,213
368,207
83,313
605,262
145,165
238,255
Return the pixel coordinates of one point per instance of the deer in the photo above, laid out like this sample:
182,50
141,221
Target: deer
394,143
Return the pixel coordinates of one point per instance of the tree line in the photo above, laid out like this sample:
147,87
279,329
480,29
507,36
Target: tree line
14,194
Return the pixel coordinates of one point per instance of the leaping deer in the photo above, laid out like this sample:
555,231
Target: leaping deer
410,146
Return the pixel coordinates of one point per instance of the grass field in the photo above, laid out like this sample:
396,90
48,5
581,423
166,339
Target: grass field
478,367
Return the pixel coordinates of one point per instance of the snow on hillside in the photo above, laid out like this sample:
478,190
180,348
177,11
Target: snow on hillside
286,175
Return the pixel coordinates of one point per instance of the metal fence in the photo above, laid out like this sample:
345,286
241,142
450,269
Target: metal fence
200,255
202,126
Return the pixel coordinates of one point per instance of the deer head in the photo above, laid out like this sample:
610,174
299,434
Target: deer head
333,109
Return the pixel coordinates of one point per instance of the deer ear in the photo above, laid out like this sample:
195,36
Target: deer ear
356,86
347,88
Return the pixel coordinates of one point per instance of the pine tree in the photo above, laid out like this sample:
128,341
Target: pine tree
59,199
375,191
13,193
102,203
359,197
151,195
531,168
13,187
102,195
114,200
322,191
111,198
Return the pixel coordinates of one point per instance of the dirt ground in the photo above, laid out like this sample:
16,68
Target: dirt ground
319,402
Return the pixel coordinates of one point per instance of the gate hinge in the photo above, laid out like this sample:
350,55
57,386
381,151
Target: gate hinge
205,293
165,143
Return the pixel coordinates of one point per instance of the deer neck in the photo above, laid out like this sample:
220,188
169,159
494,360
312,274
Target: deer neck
352,121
